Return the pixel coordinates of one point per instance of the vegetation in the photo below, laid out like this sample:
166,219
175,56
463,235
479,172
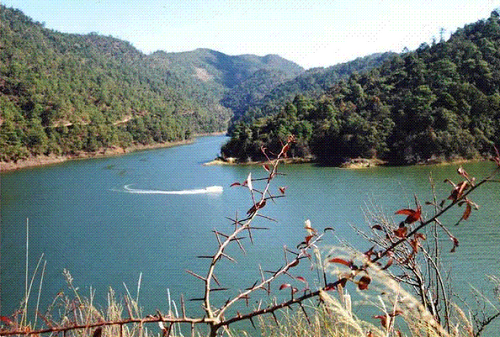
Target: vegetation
400,277
440,102
65,94
263,95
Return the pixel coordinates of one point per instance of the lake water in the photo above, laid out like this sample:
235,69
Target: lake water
109,220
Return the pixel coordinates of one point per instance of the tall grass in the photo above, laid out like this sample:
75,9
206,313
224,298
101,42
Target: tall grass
359,284
396,312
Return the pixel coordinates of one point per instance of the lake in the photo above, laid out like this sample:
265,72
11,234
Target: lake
110,220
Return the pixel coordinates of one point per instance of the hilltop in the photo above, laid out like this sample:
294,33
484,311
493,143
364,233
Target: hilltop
71,94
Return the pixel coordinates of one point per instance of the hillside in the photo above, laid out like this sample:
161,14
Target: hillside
65,94
440,102
263,94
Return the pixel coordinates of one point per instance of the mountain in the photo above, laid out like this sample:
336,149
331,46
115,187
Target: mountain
225,70
65,94
439,102
264,92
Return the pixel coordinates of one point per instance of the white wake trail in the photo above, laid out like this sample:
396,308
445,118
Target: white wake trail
206,190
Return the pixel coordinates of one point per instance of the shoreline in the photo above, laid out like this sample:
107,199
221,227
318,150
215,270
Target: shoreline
39,161
353,164
232,161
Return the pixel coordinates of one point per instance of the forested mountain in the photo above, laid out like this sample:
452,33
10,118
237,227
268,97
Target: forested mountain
439,102
264,93
68,93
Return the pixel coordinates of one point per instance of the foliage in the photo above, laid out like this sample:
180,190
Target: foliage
374,274
64,94
440,102
258,97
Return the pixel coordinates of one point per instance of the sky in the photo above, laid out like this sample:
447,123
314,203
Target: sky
312,33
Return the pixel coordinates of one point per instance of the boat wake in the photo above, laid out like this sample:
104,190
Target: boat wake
206,190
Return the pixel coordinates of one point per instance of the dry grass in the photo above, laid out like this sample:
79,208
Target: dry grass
396,311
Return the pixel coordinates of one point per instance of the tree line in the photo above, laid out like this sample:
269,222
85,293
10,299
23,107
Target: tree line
65,94
439,102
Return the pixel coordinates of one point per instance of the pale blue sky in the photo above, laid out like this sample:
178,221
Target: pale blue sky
311,33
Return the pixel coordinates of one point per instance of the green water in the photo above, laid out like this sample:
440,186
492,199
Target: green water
83,219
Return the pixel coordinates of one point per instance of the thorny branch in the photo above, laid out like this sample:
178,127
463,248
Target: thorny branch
215,316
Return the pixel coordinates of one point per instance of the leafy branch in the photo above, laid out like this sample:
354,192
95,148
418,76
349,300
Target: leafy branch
399,244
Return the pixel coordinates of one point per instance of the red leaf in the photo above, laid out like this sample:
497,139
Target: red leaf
330,286
301,279
6,320
257,206
285,285
468,210
405,211
455,244
266,167
341,261
413,215
401,232
383,320
377,227
364,282
458,191
308,239
395,313
414,244
343,282
235,184
282,190
369,253
389,263
420,236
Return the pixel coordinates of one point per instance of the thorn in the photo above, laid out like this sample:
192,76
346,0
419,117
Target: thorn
221,234
196,299
253,324
262,228
241,247
219,289
261,273
183,307
238,238
196,275
266,217
250,235
274,272
275,319
228,257
215,279
246,298
217,237
305,312
253,286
